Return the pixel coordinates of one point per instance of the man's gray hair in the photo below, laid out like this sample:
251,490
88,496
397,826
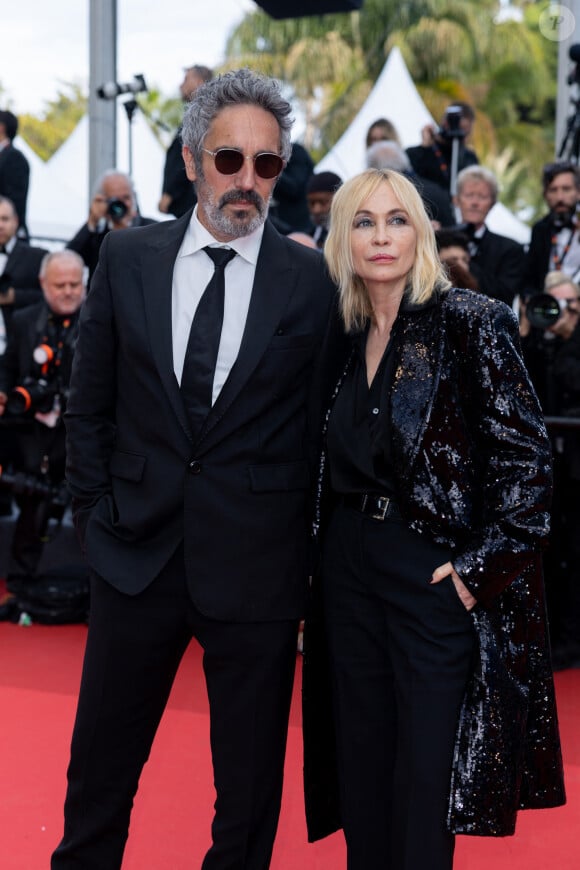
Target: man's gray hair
478,173
387,154
234,88
109,173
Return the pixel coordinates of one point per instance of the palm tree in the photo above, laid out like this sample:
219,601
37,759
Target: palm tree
454,49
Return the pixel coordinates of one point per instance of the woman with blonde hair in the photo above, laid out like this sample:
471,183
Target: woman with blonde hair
433,509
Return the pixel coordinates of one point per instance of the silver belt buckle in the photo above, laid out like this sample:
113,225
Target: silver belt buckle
382,508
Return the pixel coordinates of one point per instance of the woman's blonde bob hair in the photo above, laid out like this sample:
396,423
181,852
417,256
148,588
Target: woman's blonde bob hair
427,273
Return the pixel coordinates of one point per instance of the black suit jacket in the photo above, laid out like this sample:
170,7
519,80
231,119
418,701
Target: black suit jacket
537,264
236,494
460,381
87,243
498,264
21,273
14,179
426,163
175,181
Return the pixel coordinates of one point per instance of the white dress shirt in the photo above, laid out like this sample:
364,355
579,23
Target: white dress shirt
191,274
571,265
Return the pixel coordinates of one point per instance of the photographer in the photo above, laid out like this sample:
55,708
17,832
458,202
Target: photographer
34,377
550,335
555,241
432,158
497,262
113,207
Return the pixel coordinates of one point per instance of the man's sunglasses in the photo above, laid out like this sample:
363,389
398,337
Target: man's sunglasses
228,161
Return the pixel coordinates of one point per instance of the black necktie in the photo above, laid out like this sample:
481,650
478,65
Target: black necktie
204,341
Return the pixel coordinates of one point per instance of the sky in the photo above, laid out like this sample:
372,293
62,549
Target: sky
46,44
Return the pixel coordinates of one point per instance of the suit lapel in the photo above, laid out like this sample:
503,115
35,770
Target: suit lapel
417,374
273,285
157,275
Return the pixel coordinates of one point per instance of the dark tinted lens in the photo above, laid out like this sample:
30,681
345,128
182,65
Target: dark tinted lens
268,165
228,161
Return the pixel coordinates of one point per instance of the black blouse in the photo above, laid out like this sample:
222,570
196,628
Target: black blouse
358,439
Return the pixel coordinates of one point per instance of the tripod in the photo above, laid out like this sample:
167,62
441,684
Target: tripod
570,146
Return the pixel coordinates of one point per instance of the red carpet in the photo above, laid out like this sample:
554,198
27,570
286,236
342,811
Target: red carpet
39,673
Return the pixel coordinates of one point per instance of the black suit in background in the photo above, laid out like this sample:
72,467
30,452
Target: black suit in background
175,182
436,167
498,264
21,272
34,445
436,200
88,243
289,208
203,536
14,180
537,262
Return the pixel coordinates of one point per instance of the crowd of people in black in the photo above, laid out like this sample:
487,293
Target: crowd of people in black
155,375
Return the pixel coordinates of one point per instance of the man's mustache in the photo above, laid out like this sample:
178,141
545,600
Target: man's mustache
245,196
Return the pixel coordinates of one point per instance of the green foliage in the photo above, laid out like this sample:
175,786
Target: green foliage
454,49
59,118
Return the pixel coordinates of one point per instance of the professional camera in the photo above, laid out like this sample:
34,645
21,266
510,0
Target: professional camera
37,393
29,484
451,129
111,90
116,209
53,498
542,310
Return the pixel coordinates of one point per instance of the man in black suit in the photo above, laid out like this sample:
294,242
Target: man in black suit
497,262
113,207
555,242
178,193
14,169
19,268
190,477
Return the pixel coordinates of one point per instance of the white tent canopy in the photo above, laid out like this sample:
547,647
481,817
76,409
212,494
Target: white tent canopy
54,207
394,96
58,199
70,162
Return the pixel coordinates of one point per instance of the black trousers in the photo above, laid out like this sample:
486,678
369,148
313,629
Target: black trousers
400,652
134,647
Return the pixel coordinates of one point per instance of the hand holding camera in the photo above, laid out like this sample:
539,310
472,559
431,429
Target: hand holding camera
108,212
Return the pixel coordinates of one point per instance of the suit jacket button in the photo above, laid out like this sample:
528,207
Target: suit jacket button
195,467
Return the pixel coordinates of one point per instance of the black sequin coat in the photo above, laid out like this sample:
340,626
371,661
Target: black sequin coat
473,468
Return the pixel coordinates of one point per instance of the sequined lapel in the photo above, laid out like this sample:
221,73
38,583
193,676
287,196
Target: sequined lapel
417,374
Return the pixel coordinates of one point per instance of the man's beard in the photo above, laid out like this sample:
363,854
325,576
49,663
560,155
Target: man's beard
238,224
563,215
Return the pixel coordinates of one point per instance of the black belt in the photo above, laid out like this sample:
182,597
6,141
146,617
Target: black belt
379,507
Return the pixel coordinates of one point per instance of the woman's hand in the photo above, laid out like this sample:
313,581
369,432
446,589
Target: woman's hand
465,595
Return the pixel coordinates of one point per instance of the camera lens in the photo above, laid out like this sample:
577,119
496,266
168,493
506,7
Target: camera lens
116,209
543,310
